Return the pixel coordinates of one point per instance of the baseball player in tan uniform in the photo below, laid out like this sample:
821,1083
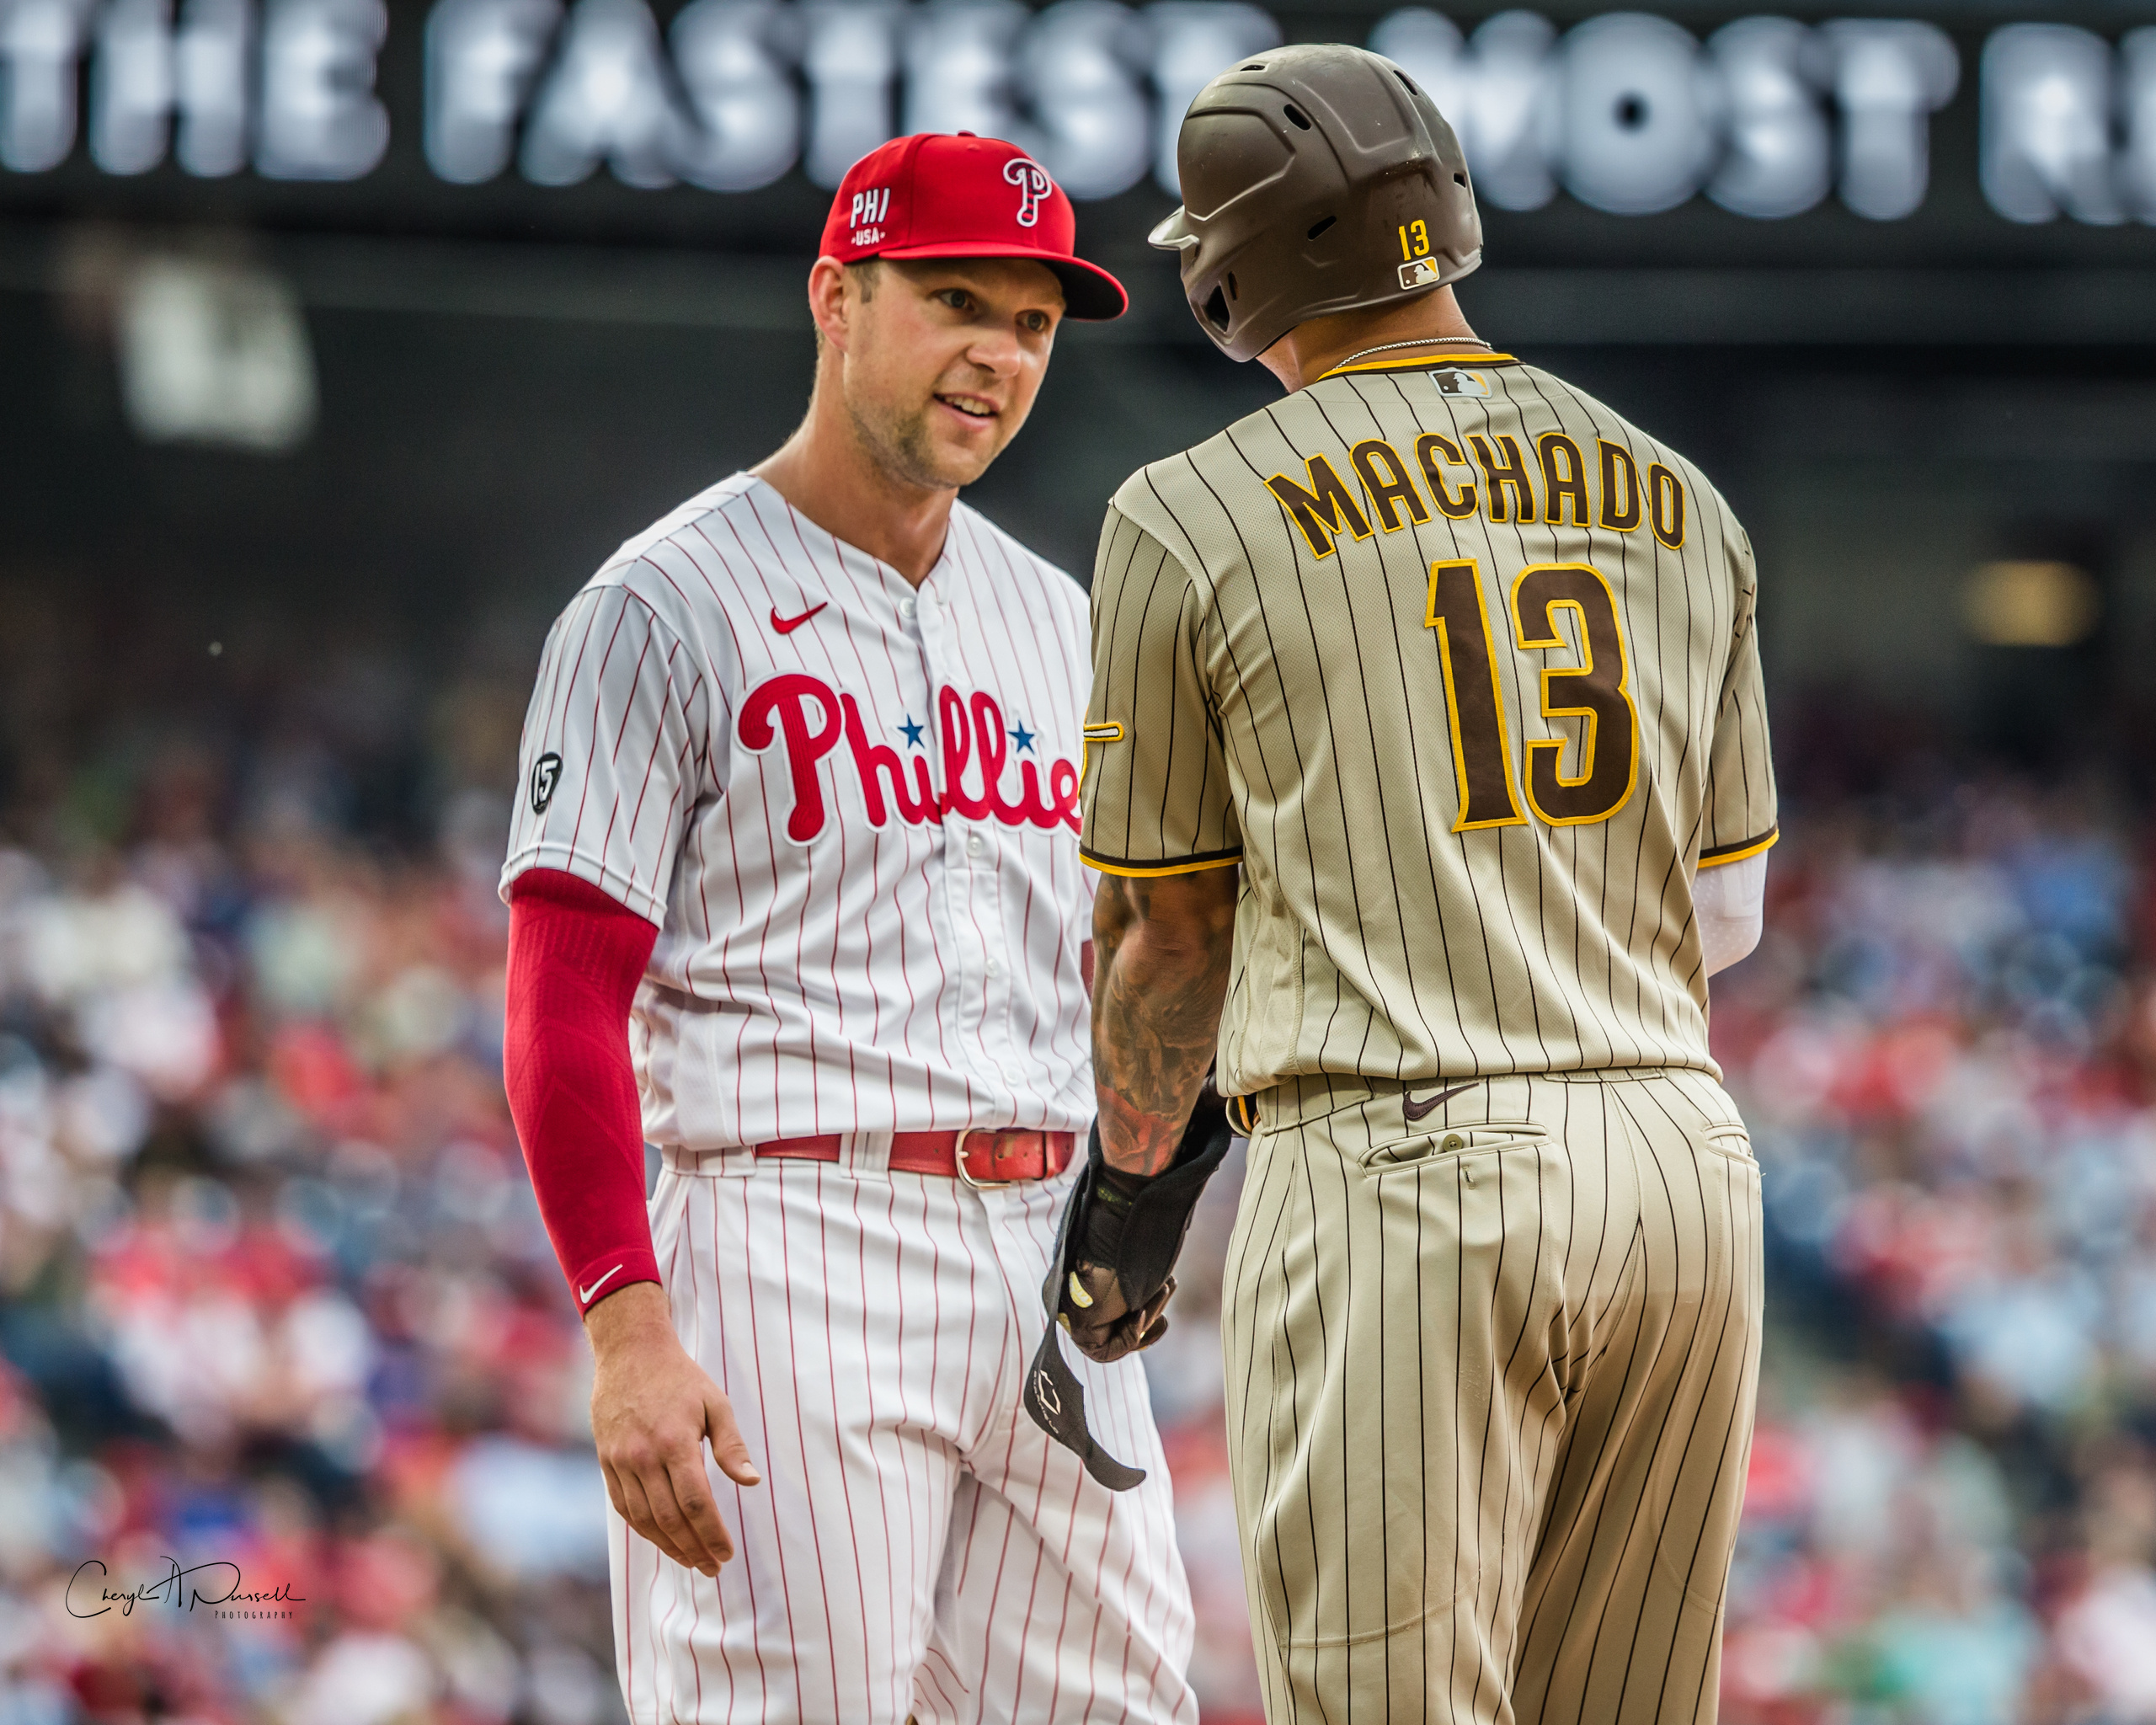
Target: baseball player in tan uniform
1428,771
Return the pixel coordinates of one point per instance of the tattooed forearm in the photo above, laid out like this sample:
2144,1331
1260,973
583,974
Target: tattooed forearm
1161,947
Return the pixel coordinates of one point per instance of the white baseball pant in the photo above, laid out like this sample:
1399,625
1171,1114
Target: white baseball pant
919,1548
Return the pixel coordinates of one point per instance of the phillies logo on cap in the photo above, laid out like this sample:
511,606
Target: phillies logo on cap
1033,185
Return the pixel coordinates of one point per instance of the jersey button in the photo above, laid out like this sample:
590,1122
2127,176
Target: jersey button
974,845
994,967
1451,1142
907,607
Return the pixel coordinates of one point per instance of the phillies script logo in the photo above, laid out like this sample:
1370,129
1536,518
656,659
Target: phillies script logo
1033,185
812,716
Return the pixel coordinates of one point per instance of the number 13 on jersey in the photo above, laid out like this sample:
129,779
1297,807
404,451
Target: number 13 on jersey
1594,690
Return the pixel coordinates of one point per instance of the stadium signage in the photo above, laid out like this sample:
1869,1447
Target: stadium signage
1628,112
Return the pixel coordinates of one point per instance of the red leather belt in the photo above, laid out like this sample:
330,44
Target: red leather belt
979,1157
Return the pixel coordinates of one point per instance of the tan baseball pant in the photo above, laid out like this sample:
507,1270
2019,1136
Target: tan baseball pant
1490,1377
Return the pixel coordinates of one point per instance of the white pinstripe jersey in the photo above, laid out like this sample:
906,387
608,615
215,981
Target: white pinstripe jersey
850,809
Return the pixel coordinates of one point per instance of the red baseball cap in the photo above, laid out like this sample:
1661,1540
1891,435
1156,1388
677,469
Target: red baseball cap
931,196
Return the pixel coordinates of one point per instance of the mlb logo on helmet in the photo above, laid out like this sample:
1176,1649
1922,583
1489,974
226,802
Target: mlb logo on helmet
934,195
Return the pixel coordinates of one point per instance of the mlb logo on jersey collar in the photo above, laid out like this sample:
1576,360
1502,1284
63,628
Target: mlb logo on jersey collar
1451,382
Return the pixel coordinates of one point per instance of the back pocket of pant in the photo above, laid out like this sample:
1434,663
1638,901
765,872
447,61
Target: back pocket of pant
1453,1144
1732,1141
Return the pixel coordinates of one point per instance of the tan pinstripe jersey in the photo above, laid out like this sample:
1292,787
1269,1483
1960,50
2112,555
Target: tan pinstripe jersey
1460,667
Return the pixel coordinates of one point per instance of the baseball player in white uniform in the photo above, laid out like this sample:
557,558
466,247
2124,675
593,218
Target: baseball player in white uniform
796,896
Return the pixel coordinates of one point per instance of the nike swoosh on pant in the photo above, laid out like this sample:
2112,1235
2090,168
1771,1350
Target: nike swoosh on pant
1415,1110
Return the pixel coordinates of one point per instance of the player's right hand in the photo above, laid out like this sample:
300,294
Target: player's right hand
1096,1317
1116,1257
653,1410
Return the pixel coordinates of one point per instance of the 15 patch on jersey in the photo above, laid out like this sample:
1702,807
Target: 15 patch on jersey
546,776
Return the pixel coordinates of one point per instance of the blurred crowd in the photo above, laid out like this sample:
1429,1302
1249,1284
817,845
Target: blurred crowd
277,1313
1946,1047
276,1308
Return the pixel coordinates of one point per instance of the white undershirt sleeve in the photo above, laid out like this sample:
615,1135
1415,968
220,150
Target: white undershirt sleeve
1730,902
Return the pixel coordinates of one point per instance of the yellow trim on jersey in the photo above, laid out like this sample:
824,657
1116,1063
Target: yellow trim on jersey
1107,731
1752,848
1143,872
1421,364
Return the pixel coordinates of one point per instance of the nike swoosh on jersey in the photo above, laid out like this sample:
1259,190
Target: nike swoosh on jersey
584,1294
1415,1110
787,625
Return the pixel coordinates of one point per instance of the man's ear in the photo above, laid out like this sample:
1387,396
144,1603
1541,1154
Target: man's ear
829,302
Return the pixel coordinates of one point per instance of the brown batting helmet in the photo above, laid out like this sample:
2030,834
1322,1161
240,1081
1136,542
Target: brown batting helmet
1316,179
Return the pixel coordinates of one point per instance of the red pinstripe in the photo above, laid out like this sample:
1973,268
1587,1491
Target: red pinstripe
683,1580
621,730
598,694
860,1274
831,1365
696,1622
657,736
1040,1492
785,1585
740,1519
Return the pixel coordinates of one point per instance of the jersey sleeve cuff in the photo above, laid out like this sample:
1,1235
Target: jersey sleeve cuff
610,1272
1165,865
1718,855
591,870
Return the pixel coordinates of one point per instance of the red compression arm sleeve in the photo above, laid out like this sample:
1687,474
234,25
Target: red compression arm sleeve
575,957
